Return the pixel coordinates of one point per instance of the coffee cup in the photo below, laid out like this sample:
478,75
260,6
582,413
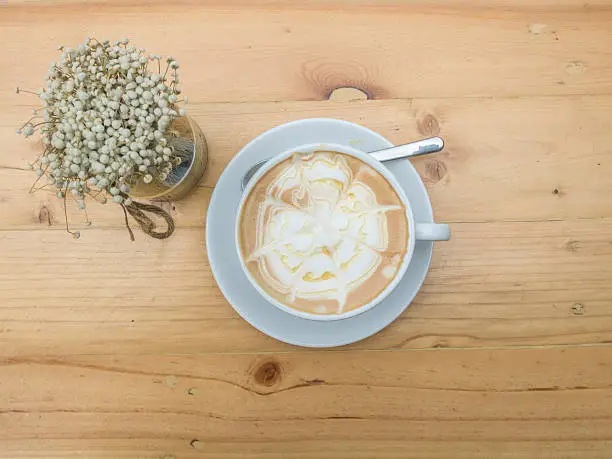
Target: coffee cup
326,232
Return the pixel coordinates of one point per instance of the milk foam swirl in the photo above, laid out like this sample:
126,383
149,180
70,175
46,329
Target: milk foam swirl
320,231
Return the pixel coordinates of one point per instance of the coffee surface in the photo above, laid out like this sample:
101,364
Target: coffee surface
323,232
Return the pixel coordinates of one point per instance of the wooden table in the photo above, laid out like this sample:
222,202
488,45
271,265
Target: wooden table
114,349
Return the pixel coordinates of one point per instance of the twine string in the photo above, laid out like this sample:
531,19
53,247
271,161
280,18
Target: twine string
137,211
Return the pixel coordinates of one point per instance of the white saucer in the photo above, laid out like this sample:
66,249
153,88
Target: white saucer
224,260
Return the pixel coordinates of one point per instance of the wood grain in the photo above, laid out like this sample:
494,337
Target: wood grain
540,157
395,404
288,51
113,349
503,284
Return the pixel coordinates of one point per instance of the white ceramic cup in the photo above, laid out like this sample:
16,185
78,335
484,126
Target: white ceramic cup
416,231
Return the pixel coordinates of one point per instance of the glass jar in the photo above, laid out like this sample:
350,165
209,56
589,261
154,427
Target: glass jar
189,144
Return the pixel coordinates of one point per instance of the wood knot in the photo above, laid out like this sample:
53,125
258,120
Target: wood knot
192,391
324,76
572,245
268,374
347,94
44,216
435,170
195,443
428,125
578,309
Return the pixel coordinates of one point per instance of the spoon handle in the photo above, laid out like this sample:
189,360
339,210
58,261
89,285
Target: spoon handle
422,147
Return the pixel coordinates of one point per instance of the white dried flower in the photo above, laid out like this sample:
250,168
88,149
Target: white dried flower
106,119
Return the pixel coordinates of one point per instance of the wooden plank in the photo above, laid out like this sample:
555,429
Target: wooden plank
493,284
485,403
503,161
350,449
293,51
113,349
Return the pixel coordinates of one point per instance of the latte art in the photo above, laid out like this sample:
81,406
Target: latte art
323,232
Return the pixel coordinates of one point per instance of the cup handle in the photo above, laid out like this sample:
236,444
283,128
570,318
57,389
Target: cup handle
432,232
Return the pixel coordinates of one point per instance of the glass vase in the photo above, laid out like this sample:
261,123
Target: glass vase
189,144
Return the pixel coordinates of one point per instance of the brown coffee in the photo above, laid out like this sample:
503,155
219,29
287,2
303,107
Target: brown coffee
323,232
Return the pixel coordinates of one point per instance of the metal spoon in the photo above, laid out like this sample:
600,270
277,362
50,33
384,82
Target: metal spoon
421,147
